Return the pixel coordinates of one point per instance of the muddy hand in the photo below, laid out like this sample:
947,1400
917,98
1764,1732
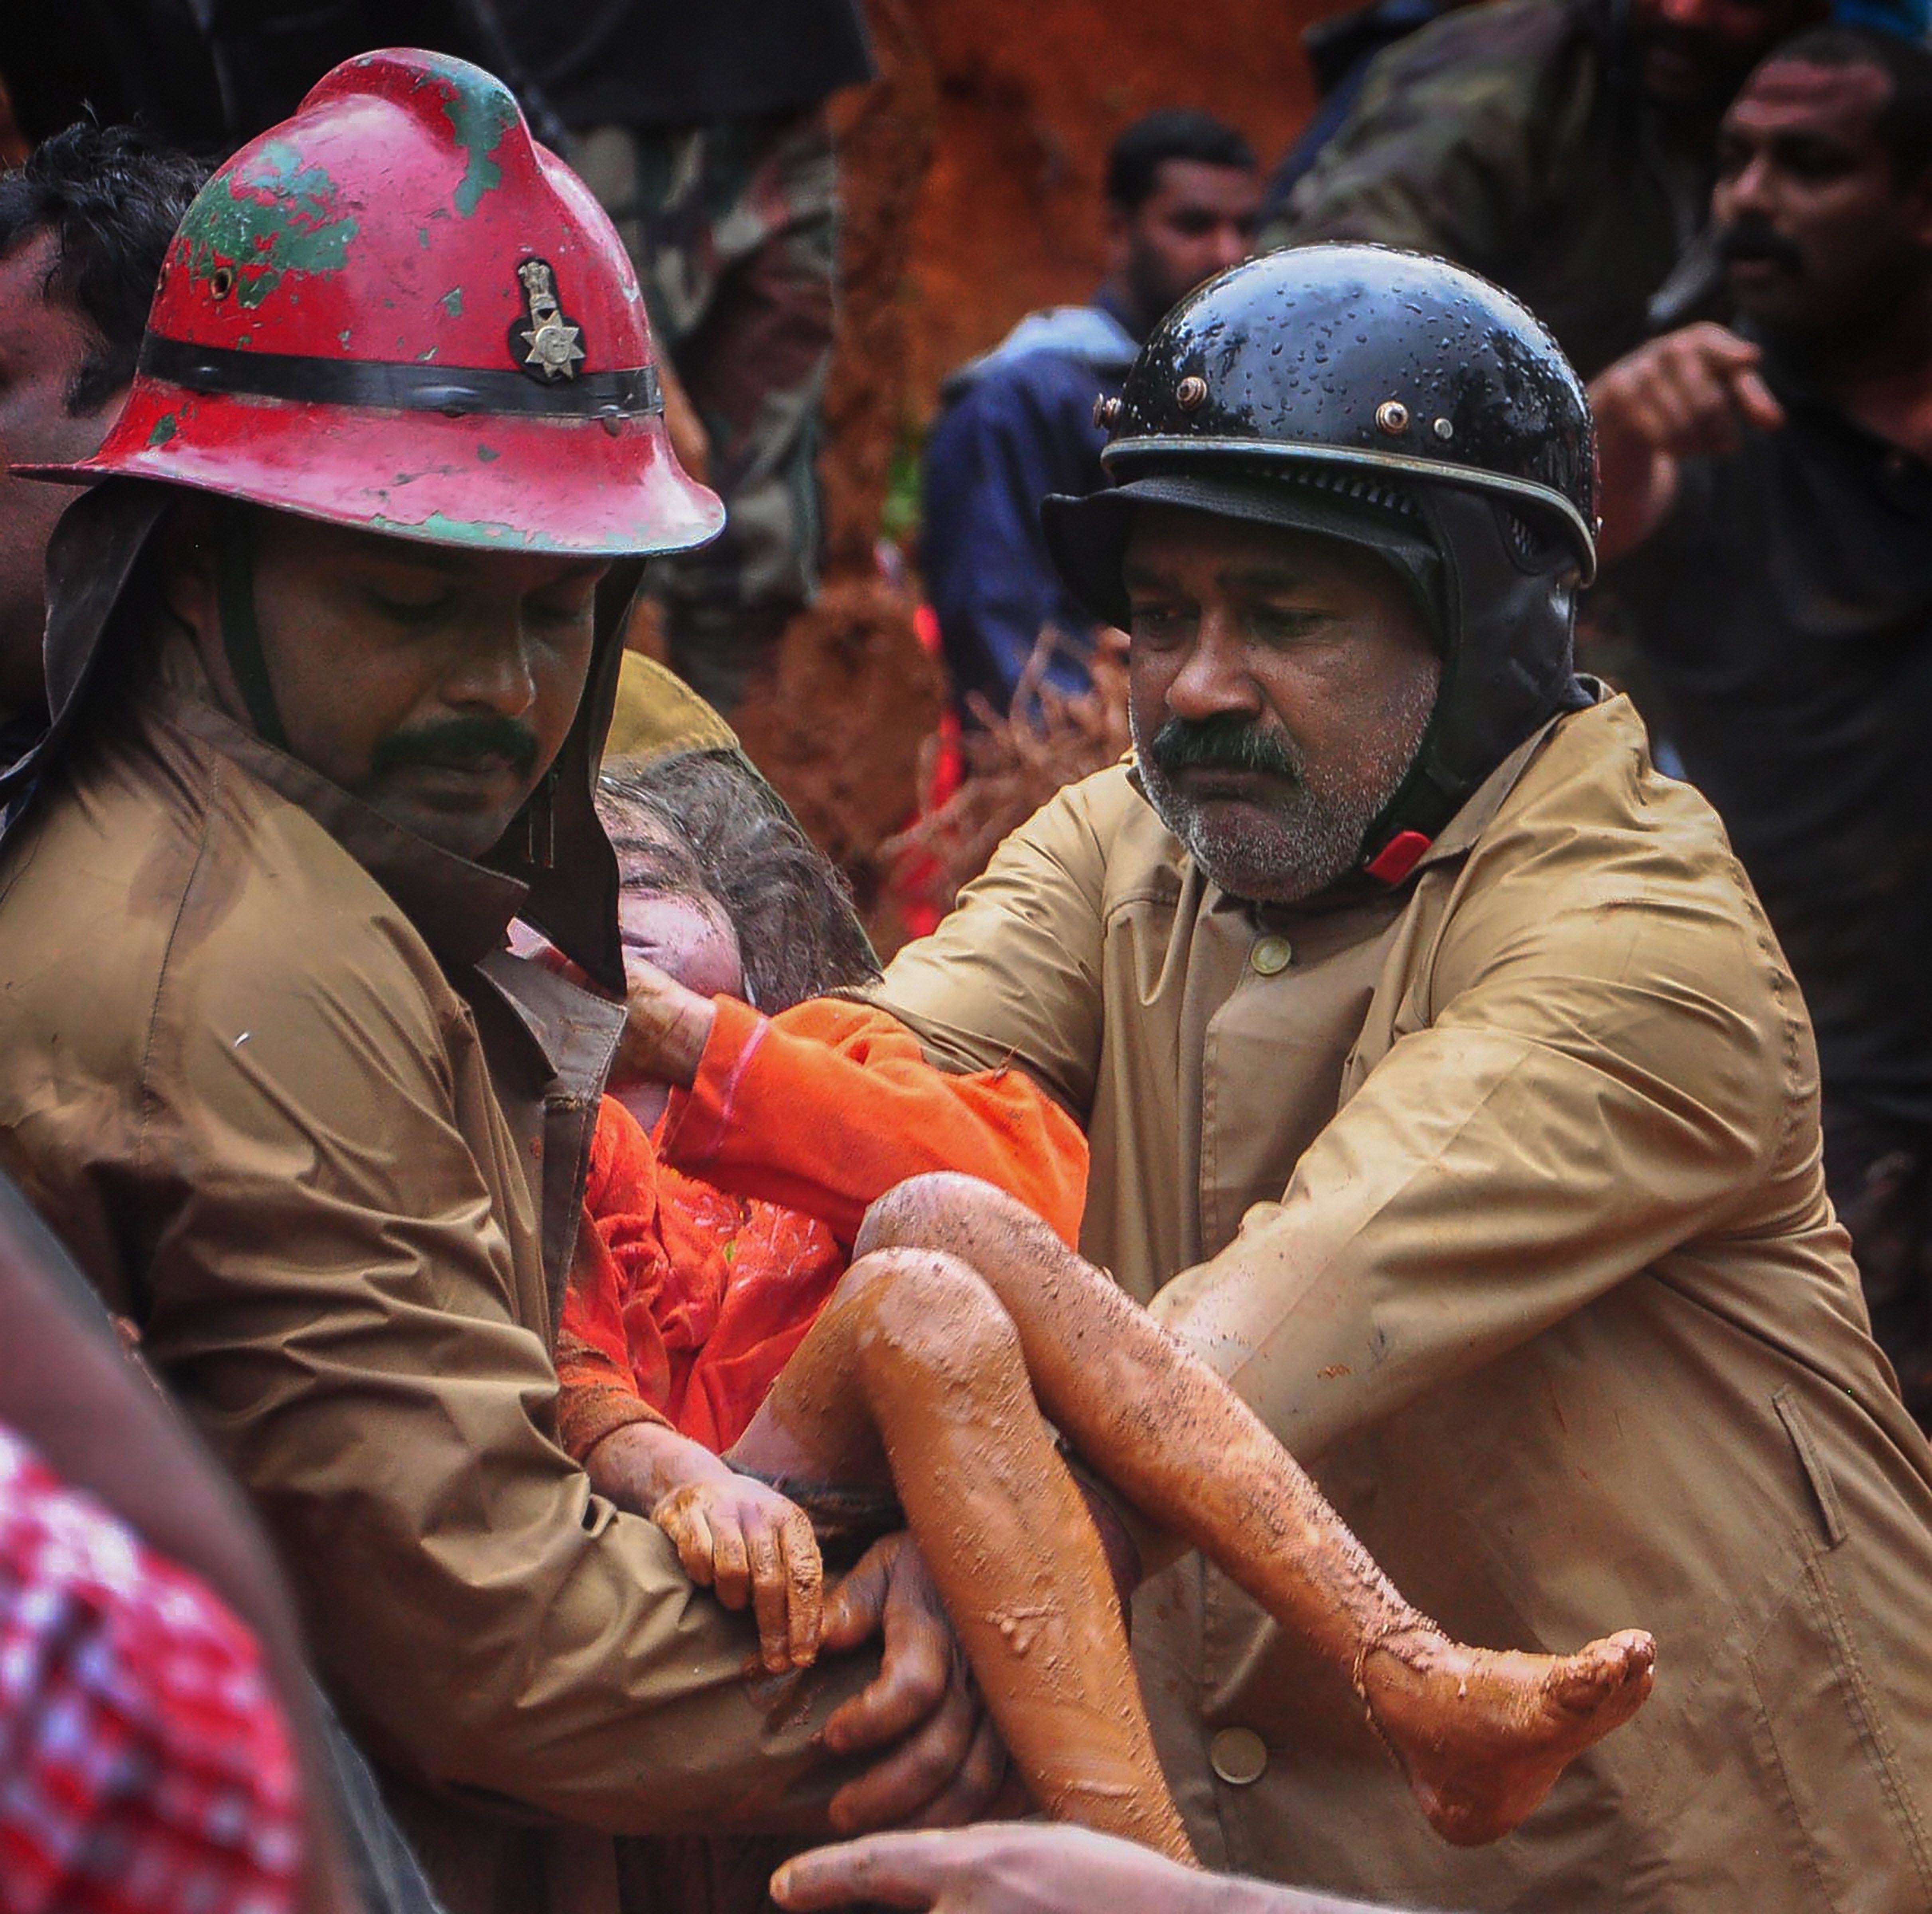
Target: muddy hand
666,1028
937,1759
747,1544
1483,1734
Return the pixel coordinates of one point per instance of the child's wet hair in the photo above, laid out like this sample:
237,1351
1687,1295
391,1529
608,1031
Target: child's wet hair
705,824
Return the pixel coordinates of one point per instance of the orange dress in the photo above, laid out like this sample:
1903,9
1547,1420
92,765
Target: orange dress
709,1248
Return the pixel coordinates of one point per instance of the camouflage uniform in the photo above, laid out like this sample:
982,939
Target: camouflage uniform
1513,139
732,226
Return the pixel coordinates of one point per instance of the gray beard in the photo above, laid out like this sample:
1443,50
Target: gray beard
1314,835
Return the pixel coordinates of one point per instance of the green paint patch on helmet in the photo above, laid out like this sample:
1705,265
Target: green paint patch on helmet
271,216
452,302
479,116
166,426
490,533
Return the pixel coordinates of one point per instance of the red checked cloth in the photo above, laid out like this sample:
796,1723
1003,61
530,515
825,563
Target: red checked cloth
144,1767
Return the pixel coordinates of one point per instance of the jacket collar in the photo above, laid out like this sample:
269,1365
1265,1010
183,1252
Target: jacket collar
1459,836
102,610
461,910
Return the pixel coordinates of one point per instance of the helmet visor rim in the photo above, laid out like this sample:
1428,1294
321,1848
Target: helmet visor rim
489,482
1400,467
1088,536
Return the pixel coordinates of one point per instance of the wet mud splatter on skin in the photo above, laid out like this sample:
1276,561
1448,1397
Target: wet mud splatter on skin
1482,1735
913,1344
962,1319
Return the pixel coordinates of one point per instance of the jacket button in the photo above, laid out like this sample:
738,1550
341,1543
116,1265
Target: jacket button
1271,955
1238,1755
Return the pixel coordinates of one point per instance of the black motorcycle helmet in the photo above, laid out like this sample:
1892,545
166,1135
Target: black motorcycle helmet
1404,405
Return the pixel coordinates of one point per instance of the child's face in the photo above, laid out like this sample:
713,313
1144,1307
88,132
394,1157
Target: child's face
686,934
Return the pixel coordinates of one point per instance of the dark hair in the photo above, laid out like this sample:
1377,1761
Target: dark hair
111,197
1904,124
1174,133
798,935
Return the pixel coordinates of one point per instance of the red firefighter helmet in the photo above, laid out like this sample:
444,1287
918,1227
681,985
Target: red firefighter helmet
396,311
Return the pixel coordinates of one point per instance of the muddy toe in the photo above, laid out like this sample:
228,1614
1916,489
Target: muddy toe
1611,1678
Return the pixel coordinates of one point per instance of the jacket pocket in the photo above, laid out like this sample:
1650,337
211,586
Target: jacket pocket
1857,1831
1824,1490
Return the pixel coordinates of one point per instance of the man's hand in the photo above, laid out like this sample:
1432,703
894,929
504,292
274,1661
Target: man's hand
666,1028
1001,1868
943,1763
746,1543
1689,393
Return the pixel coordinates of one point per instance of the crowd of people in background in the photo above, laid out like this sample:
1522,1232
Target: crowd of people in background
1462,1117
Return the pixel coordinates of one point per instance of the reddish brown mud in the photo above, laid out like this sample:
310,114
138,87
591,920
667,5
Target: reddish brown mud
1481,1736
913,1373
971,193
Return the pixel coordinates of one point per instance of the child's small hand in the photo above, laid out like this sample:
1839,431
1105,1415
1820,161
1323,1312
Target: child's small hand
746,1542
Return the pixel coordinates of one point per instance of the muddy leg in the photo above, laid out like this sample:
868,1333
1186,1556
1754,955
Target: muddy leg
1482,1735
912,1371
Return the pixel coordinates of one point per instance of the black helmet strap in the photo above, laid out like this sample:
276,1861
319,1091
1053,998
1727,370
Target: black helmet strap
241,633
1508,608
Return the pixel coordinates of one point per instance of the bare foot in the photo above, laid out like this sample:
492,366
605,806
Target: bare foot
1483,1734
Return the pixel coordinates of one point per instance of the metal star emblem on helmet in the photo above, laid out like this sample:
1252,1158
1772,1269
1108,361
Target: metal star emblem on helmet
551,338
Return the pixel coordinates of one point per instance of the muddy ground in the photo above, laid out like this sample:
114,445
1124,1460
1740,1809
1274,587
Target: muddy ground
972,187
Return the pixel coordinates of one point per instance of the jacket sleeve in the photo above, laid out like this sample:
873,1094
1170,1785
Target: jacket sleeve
823,1108
1595,1085
988,463
334,1291
1013,974
1450,144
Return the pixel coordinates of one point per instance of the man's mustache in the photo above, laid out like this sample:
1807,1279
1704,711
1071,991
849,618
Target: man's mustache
1753,239
1221,744
457,742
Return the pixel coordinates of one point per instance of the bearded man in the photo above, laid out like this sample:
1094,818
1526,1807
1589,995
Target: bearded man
1768,529
1448,1092
331,645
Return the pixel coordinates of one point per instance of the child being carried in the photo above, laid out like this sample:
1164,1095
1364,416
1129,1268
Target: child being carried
835,1276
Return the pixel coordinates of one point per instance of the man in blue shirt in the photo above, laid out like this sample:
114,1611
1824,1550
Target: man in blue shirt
1182,196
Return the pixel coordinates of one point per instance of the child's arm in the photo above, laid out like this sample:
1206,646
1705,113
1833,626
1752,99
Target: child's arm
828,1105
735,1535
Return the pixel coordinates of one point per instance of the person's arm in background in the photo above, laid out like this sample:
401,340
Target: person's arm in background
1026,1868
1450,142
102,1426
1691,393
